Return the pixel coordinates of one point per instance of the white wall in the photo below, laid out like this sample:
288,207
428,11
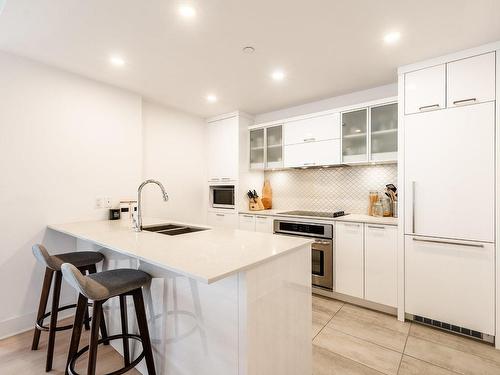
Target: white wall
330,103
65,140
174,147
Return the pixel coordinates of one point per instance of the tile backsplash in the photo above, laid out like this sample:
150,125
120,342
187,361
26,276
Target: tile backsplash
329,189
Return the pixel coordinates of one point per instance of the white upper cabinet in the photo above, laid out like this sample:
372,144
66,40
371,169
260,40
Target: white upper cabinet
223,141
384,132
471,80
425,89
312,154
355,136
257,148
312,129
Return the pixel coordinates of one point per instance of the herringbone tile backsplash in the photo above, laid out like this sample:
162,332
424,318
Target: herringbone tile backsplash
329,189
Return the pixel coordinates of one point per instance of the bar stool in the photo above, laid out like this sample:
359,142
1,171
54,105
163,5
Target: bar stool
100,287
85,261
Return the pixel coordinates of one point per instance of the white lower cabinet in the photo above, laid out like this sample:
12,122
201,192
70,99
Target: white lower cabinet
381,264
349,259
451,281
223,220
247,222
256,223
264,224
366,261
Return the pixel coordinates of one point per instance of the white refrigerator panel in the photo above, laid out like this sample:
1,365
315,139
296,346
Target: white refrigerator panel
450,173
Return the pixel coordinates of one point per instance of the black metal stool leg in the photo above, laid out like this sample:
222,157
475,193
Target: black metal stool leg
140,312
124,321
94,337
42,307
56,292
81,311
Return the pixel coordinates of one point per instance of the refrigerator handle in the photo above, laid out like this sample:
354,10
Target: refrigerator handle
413,183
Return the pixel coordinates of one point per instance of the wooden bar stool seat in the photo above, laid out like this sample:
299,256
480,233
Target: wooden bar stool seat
85,261
100,287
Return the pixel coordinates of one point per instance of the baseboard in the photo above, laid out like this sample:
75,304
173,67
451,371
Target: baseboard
19,324
356,301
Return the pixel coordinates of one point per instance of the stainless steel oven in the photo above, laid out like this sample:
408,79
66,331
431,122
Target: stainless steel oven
222,196
321,249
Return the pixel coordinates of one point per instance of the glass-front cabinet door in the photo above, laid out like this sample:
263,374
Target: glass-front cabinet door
274,147
384,132
257,149
355,136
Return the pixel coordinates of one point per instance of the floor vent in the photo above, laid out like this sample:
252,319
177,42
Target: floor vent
455,329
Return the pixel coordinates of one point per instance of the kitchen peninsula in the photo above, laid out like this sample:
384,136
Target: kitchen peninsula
221,301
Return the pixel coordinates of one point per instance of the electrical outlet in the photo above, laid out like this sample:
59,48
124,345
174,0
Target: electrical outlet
99,202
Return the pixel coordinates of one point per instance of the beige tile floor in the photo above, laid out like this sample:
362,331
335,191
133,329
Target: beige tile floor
350,340
347,340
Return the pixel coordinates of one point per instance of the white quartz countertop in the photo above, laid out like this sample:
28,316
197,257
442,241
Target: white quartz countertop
206,256
358,218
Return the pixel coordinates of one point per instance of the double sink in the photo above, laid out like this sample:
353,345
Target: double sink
172,229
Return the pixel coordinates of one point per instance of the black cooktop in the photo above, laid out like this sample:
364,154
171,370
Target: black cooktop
313,213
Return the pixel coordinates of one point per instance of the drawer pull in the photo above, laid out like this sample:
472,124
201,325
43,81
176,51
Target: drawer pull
219,214
449,242
309,139
465,101
261,217
249,216
351,225
376,227
427,107
305,164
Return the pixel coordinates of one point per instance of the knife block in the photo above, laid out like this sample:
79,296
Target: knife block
255,205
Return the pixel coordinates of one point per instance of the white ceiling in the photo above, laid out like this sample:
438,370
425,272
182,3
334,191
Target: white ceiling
326,47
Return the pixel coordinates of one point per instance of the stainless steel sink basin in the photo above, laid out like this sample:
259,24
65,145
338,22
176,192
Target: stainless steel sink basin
172,229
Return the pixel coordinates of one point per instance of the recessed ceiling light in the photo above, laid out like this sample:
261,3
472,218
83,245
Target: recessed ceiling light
117,61
248,49
278,75
211,98
187,11
392,37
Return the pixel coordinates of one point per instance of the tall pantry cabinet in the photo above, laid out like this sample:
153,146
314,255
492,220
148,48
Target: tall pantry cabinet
447,174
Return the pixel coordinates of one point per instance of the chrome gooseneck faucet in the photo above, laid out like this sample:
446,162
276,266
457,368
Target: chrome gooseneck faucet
138,220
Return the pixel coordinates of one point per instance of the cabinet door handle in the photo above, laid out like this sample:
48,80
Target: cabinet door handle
249,216
214,179
449,242
351,225
261,217
226,179
220,214
305,164
413,205
309,139
375,227
465,101
427,107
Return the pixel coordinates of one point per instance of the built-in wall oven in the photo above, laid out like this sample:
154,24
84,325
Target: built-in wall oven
321,249
222,196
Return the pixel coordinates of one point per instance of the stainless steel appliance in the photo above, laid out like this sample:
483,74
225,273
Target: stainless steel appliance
322,248
222,196
314,213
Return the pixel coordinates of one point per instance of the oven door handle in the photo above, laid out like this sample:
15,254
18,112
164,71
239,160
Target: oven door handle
322,242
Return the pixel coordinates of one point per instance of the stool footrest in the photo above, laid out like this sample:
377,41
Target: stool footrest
135,362
39,323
